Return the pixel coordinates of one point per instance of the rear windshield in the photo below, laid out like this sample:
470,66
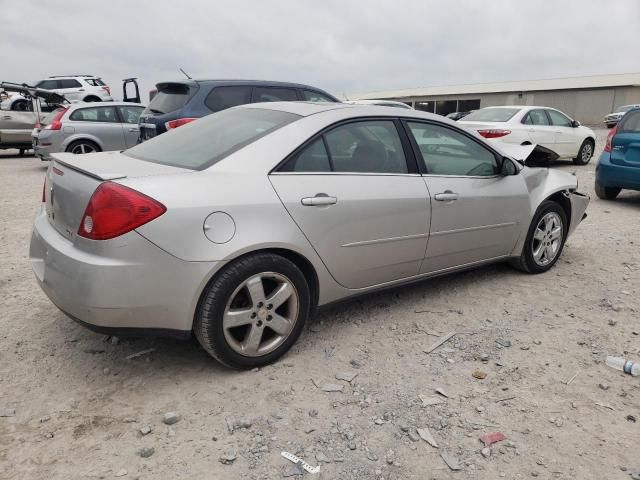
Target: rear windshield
95,82
630,123
169,99
202,143
492,115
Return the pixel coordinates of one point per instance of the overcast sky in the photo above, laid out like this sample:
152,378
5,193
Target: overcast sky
341,46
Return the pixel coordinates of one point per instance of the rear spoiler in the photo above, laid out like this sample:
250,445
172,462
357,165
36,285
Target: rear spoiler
530,155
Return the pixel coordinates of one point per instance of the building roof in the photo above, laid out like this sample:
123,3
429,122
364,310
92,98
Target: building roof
569,83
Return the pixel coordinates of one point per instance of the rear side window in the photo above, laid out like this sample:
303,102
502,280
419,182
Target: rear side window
48,84
202,143
311,96
95,114
536,117
630,123
314,158
170,97
222,98
274,94
69,83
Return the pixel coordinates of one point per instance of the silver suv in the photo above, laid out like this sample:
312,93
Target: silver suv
85,88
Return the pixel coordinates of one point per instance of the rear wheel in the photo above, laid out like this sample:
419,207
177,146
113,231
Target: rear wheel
545,239
21,106
83,146
585,153
253,311
606,193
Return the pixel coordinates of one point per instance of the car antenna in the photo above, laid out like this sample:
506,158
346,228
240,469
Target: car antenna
187,75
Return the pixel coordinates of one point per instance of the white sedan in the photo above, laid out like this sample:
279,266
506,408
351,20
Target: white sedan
543,126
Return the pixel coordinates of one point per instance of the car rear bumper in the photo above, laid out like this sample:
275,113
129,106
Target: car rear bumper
125,285
612,175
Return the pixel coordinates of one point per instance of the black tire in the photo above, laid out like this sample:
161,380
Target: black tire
21,106
606,193
526,262
92,99
87,143
586,150
21,152
208,321
611,125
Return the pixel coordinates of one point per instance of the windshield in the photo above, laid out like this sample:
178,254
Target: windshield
492,115
202,143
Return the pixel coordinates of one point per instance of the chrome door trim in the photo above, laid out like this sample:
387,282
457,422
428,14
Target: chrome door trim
385,240
473,229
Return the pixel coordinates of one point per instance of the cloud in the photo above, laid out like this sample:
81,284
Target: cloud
341,46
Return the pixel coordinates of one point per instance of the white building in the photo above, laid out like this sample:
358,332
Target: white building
587,99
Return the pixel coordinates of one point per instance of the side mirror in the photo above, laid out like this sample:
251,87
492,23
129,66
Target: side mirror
575,124
508,167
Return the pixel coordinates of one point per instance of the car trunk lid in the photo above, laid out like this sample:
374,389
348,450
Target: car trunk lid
72,179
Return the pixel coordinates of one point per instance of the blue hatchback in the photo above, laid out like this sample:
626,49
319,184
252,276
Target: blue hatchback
619,164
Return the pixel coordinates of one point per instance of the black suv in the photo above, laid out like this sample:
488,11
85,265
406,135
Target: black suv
183,101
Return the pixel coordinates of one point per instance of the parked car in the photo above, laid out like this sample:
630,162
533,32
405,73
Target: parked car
535,125
614,117
619,164
237,226
458,115
14,101
85,88
380,103
15,129
177,103
88,127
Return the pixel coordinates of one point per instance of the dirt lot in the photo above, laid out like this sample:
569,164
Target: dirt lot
80,403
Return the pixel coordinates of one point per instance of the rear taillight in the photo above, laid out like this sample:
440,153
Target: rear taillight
56,122
612,133
114,210
107,89
178,122
494,133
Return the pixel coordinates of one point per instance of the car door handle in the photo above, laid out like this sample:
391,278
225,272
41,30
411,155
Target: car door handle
6,117
133,129
81,89
447,196
319,200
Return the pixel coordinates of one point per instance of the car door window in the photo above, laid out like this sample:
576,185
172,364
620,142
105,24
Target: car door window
313,158
366,147
311,96
536,117
273,94
69,83
222,98
448,152
558,119
95,114
130,114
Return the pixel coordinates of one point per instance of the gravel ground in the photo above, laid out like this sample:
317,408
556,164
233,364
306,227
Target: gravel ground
84,410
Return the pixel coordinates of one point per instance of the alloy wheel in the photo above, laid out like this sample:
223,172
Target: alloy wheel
83,148
587,152
260,314
547,239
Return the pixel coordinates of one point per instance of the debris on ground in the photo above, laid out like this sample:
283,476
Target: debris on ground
452,462
7,412
429,401
442,392
171,418
236,423
425,434
439,342
228,458
140,353
146,452
479,374
346,376
492,438
296,460
331,387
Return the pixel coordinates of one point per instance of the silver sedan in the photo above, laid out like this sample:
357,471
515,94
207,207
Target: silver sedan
87,128
237,226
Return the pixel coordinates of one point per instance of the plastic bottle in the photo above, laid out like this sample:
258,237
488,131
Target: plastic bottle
624,365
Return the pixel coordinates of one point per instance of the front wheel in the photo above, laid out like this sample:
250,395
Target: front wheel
80,147
253,311
545,239
606,193
585,153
